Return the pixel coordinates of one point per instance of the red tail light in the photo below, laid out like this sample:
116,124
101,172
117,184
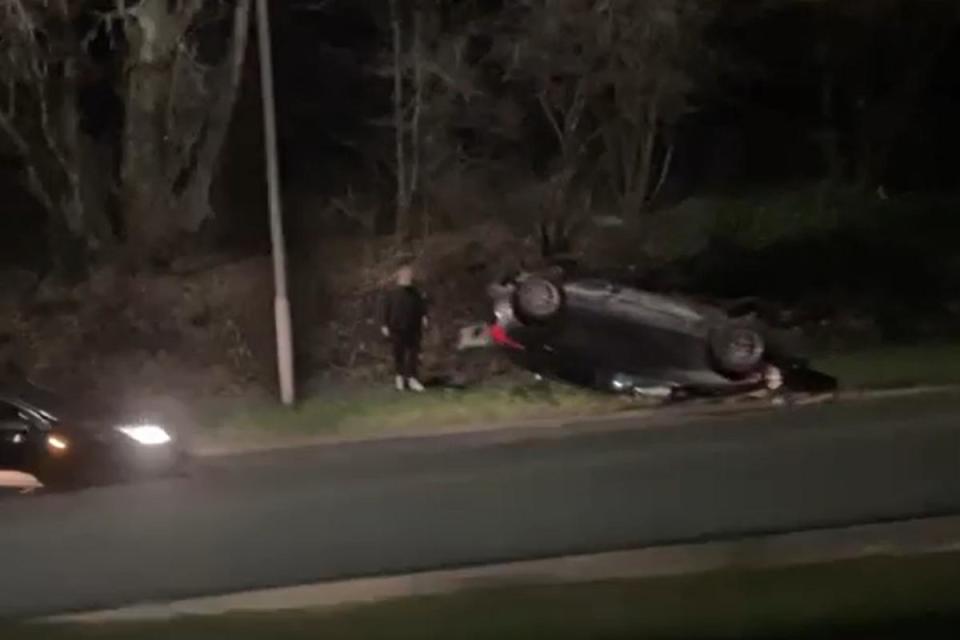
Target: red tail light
500,337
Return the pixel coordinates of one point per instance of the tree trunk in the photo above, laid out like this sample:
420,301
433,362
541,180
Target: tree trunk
644,180
645,177
143,180
177,118
399,125
218,119
413,187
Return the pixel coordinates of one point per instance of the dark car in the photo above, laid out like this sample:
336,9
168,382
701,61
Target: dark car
596,332
65,444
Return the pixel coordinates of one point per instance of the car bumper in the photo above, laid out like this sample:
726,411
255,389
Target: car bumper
144,460
108,462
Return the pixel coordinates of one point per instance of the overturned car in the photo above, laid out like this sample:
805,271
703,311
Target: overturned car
598,333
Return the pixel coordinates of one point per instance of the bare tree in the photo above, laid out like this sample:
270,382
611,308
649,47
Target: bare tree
546,49
653,47
179,81
429,74
180,92
610,77
551,54
41,62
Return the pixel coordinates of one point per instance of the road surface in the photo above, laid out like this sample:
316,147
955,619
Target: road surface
286,518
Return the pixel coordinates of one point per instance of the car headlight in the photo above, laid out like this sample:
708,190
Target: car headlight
150,435
57,444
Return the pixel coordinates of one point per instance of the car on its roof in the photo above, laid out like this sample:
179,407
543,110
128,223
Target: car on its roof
600,333
64,442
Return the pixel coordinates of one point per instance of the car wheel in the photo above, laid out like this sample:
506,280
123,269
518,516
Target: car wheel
737,349
538,299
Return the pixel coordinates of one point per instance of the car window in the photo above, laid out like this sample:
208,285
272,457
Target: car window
10,415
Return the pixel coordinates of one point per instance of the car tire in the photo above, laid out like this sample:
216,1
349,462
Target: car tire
737,349
538,299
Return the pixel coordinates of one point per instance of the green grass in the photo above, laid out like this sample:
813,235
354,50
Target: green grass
893,367
873,598
374,411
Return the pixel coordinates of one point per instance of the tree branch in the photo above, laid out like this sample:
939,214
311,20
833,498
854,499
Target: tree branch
33,177
552,119
577,106
218,123
664,171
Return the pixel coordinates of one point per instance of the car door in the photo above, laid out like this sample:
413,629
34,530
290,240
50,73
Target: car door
15,438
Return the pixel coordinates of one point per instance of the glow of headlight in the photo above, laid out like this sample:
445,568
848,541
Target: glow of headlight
146,434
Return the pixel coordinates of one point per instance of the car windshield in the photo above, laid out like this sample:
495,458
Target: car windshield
55,406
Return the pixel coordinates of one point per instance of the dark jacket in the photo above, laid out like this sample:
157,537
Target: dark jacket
404,309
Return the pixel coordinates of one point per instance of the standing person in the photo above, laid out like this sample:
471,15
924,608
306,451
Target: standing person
404,318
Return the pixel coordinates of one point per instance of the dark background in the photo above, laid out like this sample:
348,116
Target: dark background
754,126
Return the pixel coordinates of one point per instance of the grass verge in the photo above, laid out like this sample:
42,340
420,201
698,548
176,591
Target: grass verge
874,598
370,412
895,366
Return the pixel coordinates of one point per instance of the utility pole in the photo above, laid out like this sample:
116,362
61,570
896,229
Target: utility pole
281,301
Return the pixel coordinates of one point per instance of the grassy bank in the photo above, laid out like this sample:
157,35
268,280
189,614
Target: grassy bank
895,366
365,411
874,598
375,411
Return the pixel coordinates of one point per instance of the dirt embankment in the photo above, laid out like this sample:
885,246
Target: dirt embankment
175,336
205,327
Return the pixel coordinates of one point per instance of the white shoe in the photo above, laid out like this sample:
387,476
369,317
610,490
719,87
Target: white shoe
399,383
414,385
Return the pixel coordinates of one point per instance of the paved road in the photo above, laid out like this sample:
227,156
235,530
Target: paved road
286,518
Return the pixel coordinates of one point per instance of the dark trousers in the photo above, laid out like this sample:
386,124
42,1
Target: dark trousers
406,354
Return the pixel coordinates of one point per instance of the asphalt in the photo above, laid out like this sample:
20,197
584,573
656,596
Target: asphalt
284,518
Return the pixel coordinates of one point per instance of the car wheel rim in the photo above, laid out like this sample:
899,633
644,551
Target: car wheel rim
541,298
745,347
